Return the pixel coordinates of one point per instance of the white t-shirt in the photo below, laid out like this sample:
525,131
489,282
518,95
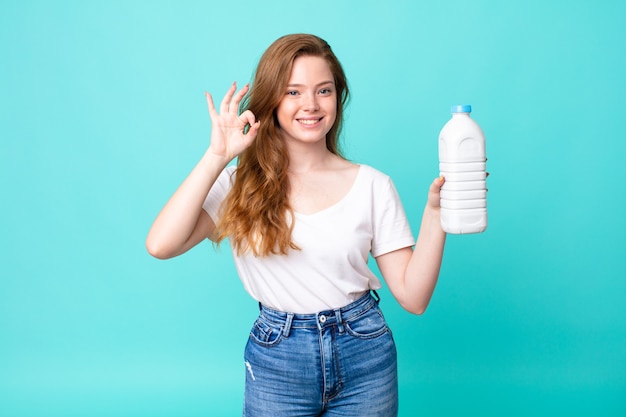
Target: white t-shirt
330,270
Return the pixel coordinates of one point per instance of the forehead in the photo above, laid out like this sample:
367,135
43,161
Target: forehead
308,69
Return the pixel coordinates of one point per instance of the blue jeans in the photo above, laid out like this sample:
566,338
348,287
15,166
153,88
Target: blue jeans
334,363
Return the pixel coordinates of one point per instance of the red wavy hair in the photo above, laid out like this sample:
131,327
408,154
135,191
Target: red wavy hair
256,214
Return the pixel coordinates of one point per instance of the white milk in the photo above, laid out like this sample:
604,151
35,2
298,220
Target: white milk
462,162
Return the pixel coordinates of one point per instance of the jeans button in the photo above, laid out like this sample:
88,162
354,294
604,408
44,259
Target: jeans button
322,319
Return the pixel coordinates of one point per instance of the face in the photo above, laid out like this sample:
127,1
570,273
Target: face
308,108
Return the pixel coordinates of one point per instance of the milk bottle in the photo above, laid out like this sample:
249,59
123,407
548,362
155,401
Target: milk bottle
462,162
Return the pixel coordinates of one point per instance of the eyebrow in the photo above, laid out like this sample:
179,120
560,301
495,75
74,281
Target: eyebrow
318,85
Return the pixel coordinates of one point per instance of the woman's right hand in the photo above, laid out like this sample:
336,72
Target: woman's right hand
228,138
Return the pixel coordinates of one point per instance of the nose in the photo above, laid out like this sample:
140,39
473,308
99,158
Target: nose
311,103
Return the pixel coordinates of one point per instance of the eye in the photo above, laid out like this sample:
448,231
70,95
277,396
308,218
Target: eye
292,93
325,91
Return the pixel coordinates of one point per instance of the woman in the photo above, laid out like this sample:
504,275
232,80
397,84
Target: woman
301,221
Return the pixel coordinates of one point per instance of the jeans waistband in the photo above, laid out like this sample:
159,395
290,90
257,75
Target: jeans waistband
323,318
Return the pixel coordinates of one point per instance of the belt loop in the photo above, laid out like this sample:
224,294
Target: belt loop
339,321
287,327
376,296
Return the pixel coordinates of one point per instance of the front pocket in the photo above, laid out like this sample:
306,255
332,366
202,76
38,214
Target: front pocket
264,334
369,325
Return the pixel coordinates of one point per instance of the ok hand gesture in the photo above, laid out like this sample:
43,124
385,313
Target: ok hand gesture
227,135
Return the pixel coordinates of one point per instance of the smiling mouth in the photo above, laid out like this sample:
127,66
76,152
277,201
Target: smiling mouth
309,122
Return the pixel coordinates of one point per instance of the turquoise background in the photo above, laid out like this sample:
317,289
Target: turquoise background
102,115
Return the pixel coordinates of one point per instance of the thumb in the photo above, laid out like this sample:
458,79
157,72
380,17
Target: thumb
434,192
253,130
436,185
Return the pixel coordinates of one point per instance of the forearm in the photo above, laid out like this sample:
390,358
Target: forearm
422,271
177,221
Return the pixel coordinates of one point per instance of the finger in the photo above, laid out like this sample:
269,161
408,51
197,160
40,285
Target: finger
247,118
210,105
234,104
226,101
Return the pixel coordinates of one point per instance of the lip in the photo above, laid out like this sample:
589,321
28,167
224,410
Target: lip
309,121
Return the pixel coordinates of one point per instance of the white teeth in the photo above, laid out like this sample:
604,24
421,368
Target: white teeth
308,122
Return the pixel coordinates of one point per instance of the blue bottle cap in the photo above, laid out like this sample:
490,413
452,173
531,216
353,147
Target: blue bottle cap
465,108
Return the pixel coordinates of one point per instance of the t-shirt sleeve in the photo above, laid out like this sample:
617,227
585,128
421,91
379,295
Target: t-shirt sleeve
218,193
391,229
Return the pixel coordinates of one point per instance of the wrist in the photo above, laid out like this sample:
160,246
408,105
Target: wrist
432,216
211,158
432,211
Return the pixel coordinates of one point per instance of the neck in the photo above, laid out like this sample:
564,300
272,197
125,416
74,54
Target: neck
308,157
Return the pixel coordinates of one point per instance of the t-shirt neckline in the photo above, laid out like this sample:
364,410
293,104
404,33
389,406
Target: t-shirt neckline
339,203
